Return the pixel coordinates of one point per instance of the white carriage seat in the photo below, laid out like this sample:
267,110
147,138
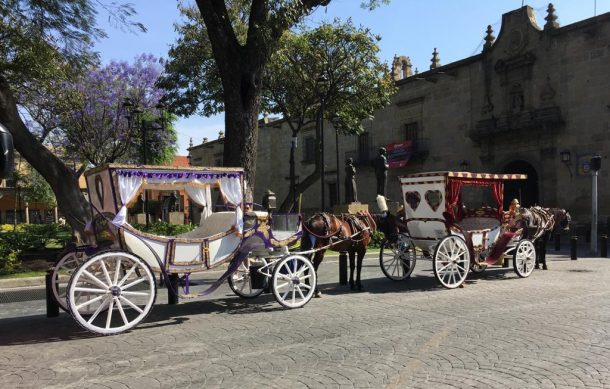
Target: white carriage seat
216,223
479,223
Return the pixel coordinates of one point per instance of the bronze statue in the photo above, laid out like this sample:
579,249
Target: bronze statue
381,171
351,193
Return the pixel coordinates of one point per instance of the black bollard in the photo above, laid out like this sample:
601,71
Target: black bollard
343,268
52,306
604,246
573,247
172,290
557,242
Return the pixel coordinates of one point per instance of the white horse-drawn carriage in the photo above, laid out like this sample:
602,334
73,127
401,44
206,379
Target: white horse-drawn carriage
112,287
448,219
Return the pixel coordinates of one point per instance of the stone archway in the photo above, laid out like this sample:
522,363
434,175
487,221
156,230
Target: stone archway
524,190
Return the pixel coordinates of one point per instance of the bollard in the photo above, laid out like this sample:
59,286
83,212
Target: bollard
172,290
604,246
573,246
557,242
52,306
343,268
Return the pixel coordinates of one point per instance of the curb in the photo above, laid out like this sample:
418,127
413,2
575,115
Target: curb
25,282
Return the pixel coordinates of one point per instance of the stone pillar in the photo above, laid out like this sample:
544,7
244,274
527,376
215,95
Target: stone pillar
27,213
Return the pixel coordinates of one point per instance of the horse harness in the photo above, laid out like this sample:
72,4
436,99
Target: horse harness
540,218
357,223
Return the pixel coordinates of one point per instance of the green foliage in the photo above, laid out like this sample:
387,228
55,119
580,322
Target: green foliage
16,239
359,83
377,239
165,229
37,190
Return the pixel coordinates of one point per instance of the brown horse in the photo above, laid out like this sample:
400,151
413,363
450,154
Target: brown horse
347,233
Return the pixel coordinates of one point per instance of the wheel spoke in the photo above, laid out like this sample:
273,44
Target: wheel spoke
98,298
136,282
127,275
308,287
95,279
129,293
128,302
117,271
98,310
105,270
282,285
300,292
120,307
90,290
109,316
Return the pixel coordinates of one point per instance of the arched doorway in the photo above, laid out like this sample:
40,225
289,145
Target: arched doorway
524,190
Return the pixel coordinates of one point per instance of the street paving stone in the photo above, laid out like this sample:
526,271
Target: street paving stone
551,330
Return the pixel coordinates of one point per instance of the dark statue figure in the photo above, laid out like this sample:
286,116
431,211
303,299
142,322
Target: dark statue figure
351,193
381,170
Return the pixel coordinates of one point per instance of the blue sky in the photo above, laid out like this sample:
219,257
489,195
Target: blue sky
407,27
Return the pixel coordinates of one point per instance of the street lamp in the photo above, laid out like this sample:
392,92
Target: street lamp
135,121
322,85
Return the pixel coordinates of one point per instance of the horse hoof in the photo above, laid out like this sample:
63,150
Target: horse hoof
317,294
536,267
461,286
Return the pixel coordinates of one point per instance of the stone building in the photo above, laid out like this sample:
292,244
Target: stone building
536,100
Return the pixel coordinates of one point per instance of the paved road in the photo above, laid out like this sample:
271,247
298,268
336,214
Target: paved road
551,330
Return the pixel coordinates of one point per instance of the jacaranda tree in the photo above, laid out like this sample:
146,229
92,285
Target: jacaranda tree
37,40
94,121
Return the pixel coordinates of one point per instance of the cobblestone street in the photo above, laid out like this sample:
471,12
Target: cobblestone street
551,330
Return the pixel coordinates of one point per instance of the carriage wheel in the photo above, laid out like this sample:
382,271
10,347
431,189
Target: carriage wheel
65,266
524,258
240,282
451,261
111,292
397,258
294,281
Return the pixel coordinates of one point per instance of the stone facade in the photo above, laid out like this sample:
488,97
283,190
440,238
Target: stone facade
530,95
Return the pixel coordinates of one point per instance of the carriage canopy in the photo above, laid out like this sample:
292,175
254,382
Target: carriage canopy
124,183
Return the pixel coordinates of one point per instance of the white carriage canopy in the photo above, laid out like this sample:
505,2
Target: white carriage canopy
196,184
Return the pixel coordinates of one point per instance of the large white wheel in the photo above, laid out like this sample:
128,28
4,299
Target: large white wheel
111,292
451,261
64,267
397,258
240,282
524,258
294,281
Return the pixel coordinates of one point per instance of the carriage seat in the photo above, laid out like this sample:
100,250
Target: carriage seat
479,223
216,223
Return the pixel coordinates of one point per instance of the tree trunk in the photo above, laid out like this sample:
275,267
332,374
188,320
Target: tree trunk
62,180
242,106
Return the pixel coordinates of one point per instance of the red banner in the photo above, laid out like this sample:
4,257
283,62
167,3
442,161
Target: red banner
399,153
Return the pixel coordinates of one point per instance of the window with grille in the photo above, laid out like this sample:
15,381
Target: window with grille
412,131
309,147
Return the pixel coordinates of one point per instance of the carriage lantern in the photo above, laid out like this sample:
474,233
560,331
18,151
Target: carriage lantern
269,201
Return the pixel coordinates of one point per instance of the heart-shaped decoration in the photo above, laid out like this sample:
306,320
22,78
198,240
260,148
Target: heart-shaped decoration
413,199
99,190
434,198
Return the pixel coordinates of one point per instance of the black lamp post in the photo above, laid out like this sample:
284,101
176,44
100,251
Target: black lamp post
322,84
134,116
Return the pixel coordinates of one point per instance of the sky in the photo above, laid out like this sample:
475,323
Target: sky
407,27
